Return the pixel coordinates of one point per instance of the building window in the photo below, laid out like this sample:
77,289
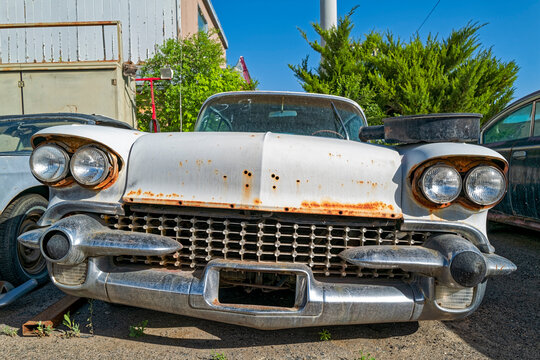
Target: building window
203,25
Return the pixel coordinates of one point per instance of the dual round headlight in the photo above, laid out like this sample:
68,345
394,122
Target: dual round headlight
483,185
441,184
89,165
49,163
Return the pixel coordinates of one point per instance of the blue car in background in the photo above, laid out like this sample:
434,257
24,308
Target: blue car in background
515,134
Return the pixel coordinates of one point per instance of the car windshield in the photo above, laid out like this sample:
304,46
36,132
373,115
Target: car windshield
15,135
282,113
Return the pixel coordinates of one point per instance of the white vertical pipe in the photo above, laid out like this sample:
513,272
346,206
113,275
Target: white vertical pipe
328,15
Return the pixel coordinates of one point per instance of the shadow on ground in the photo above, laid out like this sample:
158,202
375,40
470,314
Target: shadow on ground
507,324
179,330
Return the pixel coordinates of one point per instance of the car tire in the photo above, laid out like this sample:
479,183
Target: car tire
19,264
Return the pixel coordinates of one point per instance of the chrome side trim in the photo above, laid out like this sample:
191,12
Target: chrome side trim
58,211
530,223
526,147
501,149
523,147
469,232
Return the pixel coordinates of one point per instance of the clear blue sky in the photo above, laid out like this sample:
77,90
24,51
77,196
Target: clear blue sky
265,31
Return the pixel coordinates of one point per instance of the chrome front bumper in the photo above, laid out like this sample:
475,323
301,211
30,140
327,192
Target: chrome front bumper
317,303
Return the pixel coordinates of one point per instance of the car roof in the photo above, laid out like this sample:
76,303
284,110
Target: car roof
514,105
91,119
526,98
285,93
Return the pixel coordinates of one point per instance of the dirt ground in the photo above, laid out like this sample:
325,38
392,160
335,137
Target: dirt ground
506,326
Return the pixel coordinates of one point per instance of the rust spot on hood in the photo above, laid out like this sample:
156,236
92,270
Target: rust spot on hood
247,180
376,209
132,192
369,206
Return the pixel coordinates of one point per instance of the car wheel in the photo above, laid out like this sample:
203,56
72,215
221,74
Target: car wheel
19,263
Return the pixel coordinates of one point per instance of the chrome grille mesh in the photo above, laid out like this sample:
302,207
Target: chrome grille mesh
317,244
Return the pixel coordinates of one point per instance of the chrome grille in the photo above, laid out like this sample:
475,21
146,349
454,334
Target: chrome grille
315,243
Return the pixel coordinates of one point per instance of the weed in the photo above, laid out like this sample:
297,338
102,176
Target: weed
365,357
218,356
73,327
8,331
138,330
43,330
90,318
325,335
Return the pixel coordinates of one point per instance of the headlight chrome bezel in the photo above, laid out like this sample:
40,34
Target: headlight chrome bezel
62,176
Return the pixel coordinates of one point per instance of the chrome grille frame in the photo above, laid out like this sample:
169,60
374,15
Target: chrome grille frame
207,234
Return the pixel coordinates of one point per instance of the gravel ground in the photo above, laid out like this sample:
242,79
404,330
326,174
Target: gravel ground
505,327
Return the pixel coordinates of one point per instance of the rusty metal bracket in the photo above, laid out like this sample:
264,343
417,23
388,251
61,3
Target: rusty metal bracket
53,315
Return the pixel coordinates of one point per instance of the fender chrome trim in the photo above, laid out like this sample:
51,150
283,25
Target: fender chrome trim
58,211
469,232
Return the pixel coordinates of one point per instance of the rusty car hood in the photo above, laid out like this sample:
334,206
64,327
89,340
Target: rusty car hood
265,171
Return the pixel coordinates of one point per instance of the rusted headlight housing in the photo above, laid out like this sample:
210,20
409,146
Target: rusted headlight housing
90,166
49,163
485,185
441,184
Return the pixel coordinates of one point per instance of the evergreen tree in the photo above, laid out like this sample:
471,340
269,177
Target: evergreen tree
389,77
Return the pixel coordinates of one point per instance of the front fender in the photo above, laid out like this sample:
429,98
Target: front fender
417,154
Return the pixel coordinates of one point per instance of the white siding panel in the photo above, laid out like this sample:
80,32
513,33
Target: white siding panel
145,24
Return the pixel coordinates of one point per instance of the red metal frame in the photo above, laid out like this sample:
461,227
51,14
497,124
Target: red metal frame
245,70
154,126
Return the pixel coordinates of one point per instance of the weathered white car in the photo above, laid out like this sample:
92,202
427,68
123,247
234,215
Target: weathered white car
272,214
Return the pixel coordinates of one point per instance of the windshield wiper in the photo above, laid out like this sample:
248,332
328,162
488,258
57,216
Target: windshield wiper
340,120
